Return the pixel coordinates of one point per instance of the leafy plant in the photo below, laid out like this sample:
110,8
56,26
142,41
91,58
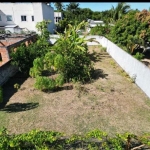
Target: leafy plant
16,86
24,56
139,56
68,59
97,134
42,27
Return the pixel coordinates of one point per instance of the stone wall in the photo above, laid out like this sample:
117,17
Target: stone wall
7,71
6,46
9,44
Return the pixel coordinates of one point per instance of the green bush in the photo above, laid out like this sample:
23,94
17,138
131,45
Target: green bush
130,30
68,58
24,56
50,140
45,83
139,56
100,30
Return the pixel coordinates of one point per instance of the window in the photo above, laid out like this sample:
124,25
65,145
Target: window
58,19
0,18
23,18
9,18
32,18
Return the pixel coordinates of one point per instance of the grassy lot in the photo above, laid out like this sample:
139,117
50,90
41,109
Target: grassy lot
111,102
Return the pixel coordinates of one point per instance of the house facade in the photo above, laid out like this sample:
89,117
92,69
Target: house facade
57,17
26,15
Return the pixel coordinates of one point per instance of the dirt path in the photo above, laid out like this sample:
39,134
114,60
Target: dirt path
111,103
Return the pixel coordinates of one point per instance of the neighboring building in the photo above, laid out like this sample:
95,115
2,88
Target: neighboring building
94,23
26,15
57,17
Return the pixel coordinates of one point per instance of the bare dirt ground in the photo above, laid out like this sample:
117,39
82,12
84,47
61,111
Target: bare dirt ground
111,103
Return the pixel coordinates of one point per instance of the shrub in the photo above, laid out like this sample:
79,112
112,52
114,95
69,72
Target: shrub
68,59
100,30
24,56
139,56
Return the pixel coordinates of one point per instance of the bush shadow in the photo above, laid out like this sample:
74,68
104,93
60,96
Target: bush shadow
95,57
8,87
67,87
99,73
18,107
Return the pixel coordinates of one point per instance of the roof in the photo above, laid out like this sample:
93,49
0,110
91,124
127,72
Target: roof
95,21
11,26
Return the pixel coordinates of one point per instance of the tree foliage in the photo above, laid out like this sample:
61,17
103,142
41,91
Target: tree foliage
67,60
24,55
94,139
132,32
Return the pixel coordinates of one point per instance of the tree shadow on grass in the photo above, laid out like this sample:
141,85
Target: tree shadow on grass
18,107
95,57
99,73
95,75
8,87
66,87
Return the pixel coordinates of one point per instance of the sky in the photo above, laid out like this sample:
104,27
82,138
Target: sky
102,6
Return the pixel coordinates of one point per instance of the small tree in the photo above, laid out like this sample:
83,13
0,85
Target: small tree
23,57
42,27
68,59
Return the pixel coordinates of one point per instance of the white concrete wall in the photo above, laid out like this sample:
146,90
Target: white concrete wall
6,9
48,14
24,9
130,65
16,10
40,11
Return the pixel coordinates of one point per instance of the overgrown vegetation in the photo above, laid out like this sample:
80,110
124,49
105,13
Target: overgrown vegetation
95,139
100,30
68,60
24,55
132,33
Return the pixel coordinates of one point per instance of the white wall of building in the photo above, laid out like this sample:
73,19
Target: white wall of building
40,11
57,16
48,14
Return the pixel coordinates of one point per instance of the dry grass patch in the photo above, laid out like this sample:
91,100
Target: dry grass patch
110,103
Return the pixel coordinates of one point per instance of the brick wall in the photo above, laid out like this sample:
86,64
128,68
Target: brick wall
6,69
12,43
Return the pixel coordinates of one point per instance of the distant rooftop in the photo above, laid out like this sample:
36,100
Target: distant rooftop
11,26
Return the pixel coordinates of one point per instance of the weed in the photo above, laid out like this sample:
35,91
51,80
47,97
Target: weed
16,86
123,73
112,62
103,49
80,89
138,56
133,78
99,87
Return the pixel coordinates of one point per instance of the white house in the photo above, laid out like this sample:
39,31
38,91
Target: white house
94,23
26,15
57,17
